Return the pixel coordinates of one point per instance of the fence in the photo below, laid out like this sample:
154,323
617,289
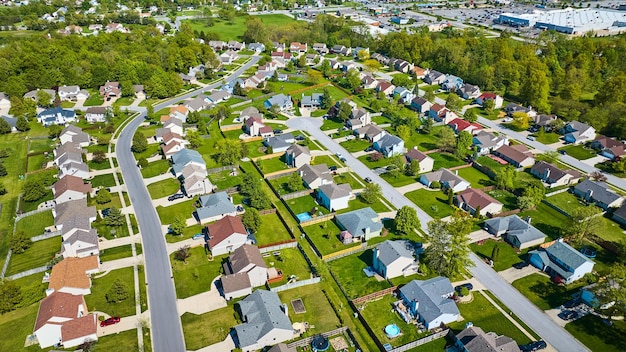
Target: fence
549,194
225,128
292,243
546,202
220,169
485,170
301,283
460,167
346,252
252,139
506,213
267,211
307,340
267,156
422,341
317,219
299,194
374,296
45,236
6,263
280,174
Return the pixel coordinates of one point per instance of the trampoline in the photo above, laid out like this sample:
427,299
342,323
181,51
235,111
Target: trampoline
320,343
392,330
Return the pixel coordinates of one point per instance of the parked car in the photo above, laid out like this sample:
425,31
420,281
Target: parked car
343,160
460,287
350,137
175,196
534,346
530,138
332,168
368,180
338,155
520,265
562,152
278,131
300,137
198,236
110,321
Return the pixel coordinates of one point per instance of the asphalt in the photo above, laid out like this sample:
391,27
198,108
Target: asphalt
167,332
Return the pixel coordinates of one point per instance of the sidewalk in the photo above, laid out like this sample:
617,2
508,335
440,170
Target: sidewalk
508,316
158,178
225,346
106,244
93,173
120,263
126,323
173,247
409,188
203,302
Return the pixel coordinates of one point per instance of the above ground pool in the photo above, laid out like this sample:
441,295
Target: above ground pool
304,216
320,343
392,330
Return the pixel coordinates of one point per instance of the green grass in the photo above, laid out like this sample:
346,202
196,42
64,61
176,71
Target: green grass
223,179
291,262
195,276
98,166
356,145
507,198
271,230
167,214
331,124
188,232
326,159
153,149
94,100
597,336
359,203
106,180
305,204
544,293
208,328
547,220
490,163
116,253
423,142
382,162
128,339
579,152
115,202
272,165
547,138
35,224
506,257
349,272
39,254
566,201
399,179
124,101
494,115
475,177
37,162
348,177
325,237
105,231
610,231
434,203
485,315
30,206
96,301
164,188
282,186
319,312
444,160
155,168
16,325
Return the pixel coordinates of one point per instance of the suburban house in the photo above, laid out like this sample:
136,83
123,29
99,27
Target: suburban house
63,319
280,143
235,45
476,200
173,146
598,193
358,118
446,178
561,261
96,114
426,163
440,113
369,82
405,96
544,121
226,235
609,147
297,155
420,105
33,95
452,83
171,125
320,48
474,339
512,108
69,147
370,132
195,184
244,270
486,142
311,59
333,196
217,45
12,121
517,155
5,102
215,206
519,233
218,96
468,91
497,100
110,90
79,243
72,275
341,50
283,102
184,158
297,47
552,176
198,103
348,65
72,93
394,258
228,57
459,125
70,188
265,322
281,347
181,111
429,302
71,164
75,135
389,145
74,210
577,132
403,66
385,87
315,176
619,215
312,101
434,77
256,127
256,47
56,116
359,225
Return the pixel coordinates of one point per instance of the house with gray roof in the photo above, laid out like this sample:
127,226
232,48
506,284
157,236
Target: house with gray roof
56,116
280,143
577,132
74,134
333,196
371,132
12,121
486,142
429,302
312,101
519,233
390,145
214,207
297,155
434,77
33,95
315,176
197,104
257,47
598,193
552,176
474,339
265,321
561,261
78,208
246,260
619,215
394,258
361,224
218,96
447,179
283,102
72,93
517,155
469,91
80,243
184,158
425,162
68,165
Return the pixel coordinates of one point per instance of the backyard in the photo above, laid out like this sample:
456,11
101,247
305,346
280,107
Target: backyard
96,301
433,202
546,220
226,179
195,276
319,312
281,185
35,224
268,166
476,178
305,204
271,230
38,255
290,261
349,271
508,199
208,328
445,160
325,237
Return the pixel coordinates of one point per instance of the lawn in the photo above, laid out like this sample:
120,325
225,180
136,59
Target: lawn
359,203
290,261
331,124
348,178
35,224
37,162
319,312
281,185
39,254
271,230
224,180
167,214
305,204
268,166
233,31
579,152
547,220
16,325
566,201
153,149
325,237
208,328
433,202
489,163
106,180
30,206
494,115
123,101
188,233
356,145
506,257
94,100
445,160
485,315
164,188
475,177
115,202
349,272
116,253
398,179
98,166
110,232
423,142
598,336
112,342
96,301
326,159
335,93
547,138
545,294
382,162
155,168
195,276
505,197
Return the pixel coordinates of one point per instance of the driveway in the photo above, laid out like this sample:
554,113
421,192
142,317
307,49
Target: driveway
511,274
204,302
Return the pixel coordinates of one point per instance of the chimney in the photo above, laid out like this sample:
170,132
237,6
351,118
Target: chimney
547,173
367,232
528,219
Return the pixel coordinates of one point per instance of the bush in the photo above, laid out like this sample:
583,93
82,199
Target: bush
103,196
20,243
435,185
117,292
464,291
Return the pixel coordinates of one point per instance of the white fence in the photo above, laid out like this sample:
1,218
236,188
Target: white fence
301,283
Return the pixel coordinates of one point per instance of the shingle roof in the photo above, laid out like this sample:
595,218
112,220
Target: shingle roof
516,154
414,154
474,339
184,157
388,141
599,191
224,228
72,272
430,295
215,204
71,183
515,226
568,255
357,221
444,175
297,149
244,256
310,173
12,121
335,191
487,139
280,141
390,251
73,208
555,173
262,313
235,282
59,304
80,327
476,198
84,235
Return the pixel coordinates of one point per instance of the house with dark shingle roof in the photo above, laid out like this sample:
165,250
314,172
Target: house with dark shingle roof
315,176
226,235
486,142
474,339
56,116
609,147
619,215
74,134
552,176
426,163
73,209
469,91
333,196
561,261
389,145
434,77
215,206
280,143
429,302
281,100
517,155
361,224
447,179
519,233
246,260
598,193
394,258
70,188
63,319
80,243
576,132
420,105
476,200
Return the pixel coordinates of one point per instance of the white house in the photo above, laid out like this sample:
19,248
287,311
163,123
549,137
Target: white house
72,275
63,319
426,163
394,258
56,116
75,135
333,196
390,145
315,176
96,114
214,207
226,235
429,302
244,270
476,200
577,132
70,188
297,155
80,243
564,263
521,234
446,178
552,176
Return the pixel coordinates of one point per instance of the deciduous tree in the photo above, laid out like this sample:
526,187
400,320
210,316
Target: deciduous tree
446,140
103,196
251,219
584,221
371,193
178,225
406,220
448,252
140,143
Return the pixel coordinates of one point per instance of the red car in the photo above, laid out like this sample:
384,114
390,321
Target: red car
110,321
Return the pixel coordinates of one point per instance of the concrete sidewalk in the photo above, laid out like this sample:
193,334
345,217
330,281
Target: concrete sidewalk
225,346
203,302
93,173
161,177
512,274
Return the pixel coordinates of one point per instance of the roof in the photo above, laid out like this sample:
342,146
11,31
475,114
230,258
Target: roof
262,313
390,251
462,125
515,153
72,272
415,154
57,111
370,130
67,148
244,256
297,149
444,176
419,101
555,173
98,110
577,126
487,139
78,136
279,99
71,183
249,111
432,296
513,225
281,347
59,304
389,141
335,191
224,228
437,107
192,169
476,198
621,211
384,85
599,191
235,282
567,254
216,204
310,99
357,221
84,235
73,208
280,141
12,121
310,173
80,327
184,157
488,95
474,339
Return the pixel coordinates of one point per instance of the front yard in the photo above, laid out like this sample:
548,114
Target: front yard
155,168
325,159
356,145
545,294
96,301
196,276
167,214
164,188
597,335
208,328
349,271
433,202
507,255
579,152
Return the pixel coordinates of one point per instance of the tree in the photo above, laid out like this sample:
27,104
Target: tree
193,117
20,242
10,295
251,219
34,189
103,196
406,220
142,162
140,144
584,221
489,105
22,124
448,252
229,151
375,156
150,112
401,80
371,193
301,62
521,120
4,126
326,101
115,218
178,225
294,182
260,200
314,76
597,176
118,292
525,203
345,111
289,66
3,189
446,140
404,132
495,252
534,192
353,79
463,144
536,87
194,138
3,169
239,90
413,168
506,177
611,292
183,253
54,131
256,31
363,55
429,94
470,115
427,126
99,156
44,99
371,65
453,102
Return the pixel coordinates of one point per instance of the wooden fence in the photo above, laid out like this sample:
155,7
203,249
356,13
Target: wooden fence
421,341
298,194
292,243
225,128
317,219
280,173
485,170
374,296
220,169
307,340
267,211
267,156
506,213
346,252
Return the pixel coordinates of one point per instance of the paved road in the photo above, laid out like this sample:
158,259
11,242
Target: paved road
539,321
167,332
312,126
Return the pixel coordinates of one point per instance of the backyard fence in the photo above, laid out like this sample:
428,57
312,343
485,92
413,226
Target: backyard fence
220,169
298,194
464,166
549,193
252,139
374,296
278,246
421,341
506,213
300,283
267,211
485,170
307,340
346,252
268,156
280,174
546,202
225,128
317,219
232,190
45,236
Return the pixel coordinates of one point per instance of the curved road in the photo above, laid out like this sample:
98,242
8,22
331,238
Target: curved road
167,332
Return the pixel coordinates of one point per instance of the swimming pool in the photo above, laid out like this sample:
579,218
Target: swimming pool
392,330
304,216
